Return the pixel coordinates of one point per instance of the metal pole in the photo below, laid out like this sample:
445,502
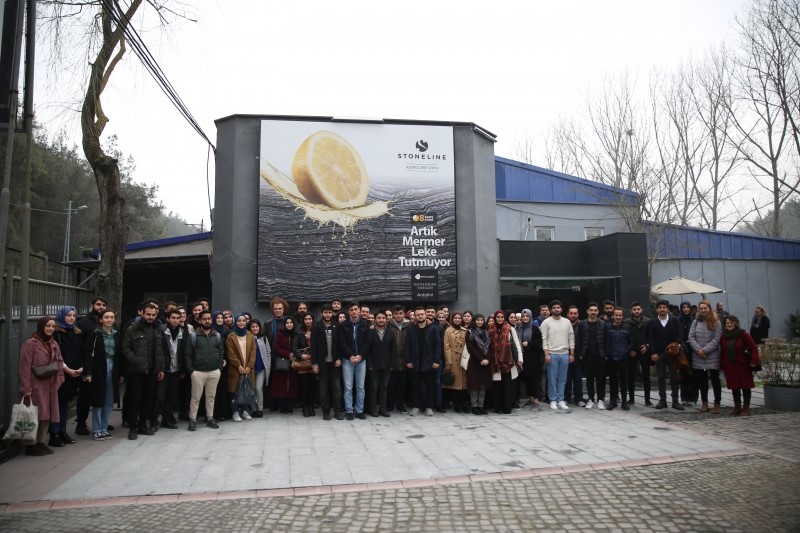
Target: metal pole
30,53
5,195
66,235
10,364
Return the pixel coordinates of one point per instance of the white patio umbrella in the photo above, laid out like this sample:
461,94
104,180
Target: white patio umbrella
679,285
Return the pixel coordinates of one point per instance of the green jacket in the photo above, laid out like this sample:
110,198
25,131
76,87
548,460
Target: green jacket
204,352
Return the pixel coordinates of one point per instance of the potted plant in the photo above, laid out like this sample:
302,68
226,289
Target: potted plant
780,373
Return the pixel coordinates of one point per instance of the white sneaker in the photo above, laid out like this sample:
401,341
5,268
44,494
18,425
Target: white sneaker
553,405
236,417
563,405
581,404
246,415
589,404
601,405
428,412
413,412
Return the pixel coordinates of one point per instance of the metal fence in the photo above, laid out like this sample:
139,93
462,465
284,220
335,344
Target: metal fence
44,298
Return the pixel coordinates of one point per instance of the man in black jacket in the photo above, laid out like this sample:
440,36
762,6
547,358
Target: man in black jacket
662,331
423,357
593,353
637,325
326,364
167,397
143,352
382,353
353,344
88,324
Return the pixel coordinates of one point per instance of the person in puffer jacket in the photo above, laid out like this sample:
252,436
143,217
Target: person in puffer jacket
619,347
704,339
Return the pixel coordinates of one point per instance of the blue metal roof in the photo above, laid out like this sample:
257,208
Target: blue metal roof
520,182
682,242
169,241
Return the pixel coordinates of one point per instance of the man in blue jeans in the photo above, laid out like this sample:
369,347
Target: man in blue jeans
353,339
558,341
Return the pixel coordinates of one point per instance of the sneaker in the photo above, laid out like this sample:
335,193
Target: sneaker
553,405
413,412
428,412
98,436
361,416
107,435
612,405
581,403
339,416
648,403
677,406
662,404
589,404
82,430
601,405
236,417
192,425
246,415
212,423
563,405
55,442
401,409
625,406
349,416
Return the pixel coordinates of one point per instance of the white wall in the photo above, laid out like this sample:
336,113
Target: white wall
773,284
569,220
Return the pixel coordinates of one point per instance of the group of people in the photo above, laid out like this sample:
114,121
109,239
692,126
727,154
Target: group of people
352,362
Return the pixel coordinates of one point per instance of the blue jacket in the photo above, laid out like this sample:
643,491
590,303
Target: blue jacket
431,350
619,341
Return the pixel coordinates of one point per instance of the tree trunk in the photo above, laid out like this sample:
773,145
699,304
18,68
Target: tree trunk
113,232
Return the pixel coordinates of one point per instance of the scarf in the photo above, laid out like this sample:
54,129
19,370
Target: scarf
240,332
39,334
525,331
731,337
501,347
481,339
61,315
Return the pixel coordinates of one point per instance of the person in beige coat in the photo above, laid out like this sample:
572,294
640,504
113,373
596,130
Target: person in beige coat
240,353
455,338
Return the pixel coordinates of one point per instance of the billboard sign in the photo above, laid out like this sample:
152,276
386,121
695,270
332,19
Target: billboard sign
356,211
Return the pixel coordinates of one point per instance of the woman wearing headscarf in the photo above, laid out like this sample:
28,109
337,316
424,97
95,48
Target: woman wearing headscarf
687,383
479,369
759,326
262,368
101,372
504,362
704,338
738,364
530,338
455,337
240,353
301,350
285,385
38,351
70,340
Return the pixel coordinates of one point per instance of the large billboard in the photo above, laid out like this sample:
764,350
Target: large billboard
356,211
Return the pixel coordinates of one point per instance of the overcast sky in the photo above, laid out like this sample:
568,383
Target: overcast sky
510,67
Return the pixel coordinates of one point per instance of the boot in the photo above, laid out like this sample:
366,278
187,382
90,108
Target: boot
745,411
737,409
704,407
677,406
715,411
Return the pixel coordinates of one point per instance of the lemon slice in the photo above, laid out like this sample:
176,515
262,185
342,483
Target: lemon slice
328,170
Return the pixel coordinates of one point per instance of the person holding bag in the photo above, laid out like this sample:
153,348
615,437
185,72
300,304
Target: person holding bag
41,373
301,343
240,352
285,384
101,373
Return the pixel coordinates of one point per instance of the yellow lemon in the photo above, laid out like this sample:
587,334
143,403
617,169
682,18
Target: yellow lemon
328,170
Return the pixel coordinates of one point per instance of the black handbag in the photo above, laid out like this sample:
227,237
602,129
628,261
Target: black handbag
749,358
283,364
46,371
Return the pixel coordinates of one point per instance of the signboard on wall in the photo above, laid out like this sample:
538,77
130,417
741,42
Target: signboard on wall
356,211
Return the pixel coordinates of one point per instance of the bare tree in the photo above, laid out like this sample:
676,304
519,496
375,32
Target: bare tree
100,27
766,87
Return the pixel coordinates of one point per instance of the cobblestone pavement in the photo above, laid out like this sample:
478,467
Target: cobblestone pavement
744,493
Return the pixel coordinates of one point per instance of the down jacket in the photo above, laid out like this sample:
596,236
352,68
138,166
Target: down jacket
702,338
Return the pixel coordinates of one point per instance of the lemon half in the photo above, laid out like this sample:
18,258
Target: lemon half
328,170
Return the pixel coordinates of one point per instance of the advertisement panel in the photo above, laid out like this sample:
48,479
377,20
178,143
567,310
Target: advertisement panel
356,211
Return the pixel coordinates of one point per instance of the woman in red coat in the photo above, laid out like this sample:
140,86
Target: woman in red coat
39,350
285,385
737,364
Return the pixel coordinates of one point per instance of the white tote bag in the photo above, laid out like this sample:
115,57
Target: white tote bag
464,357
24,422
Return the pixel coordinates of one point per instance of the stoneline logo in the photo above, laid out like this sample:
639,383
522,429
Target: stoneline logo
422,147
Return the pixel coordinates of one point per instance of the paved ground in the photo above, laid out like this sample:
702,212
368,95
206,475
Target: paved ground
531,470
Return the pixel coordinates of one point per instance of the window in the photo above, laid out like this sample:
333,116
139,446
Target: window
544,234
593,233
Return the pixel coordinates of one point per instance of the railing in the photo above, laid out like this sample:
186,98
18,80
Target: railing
44,298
